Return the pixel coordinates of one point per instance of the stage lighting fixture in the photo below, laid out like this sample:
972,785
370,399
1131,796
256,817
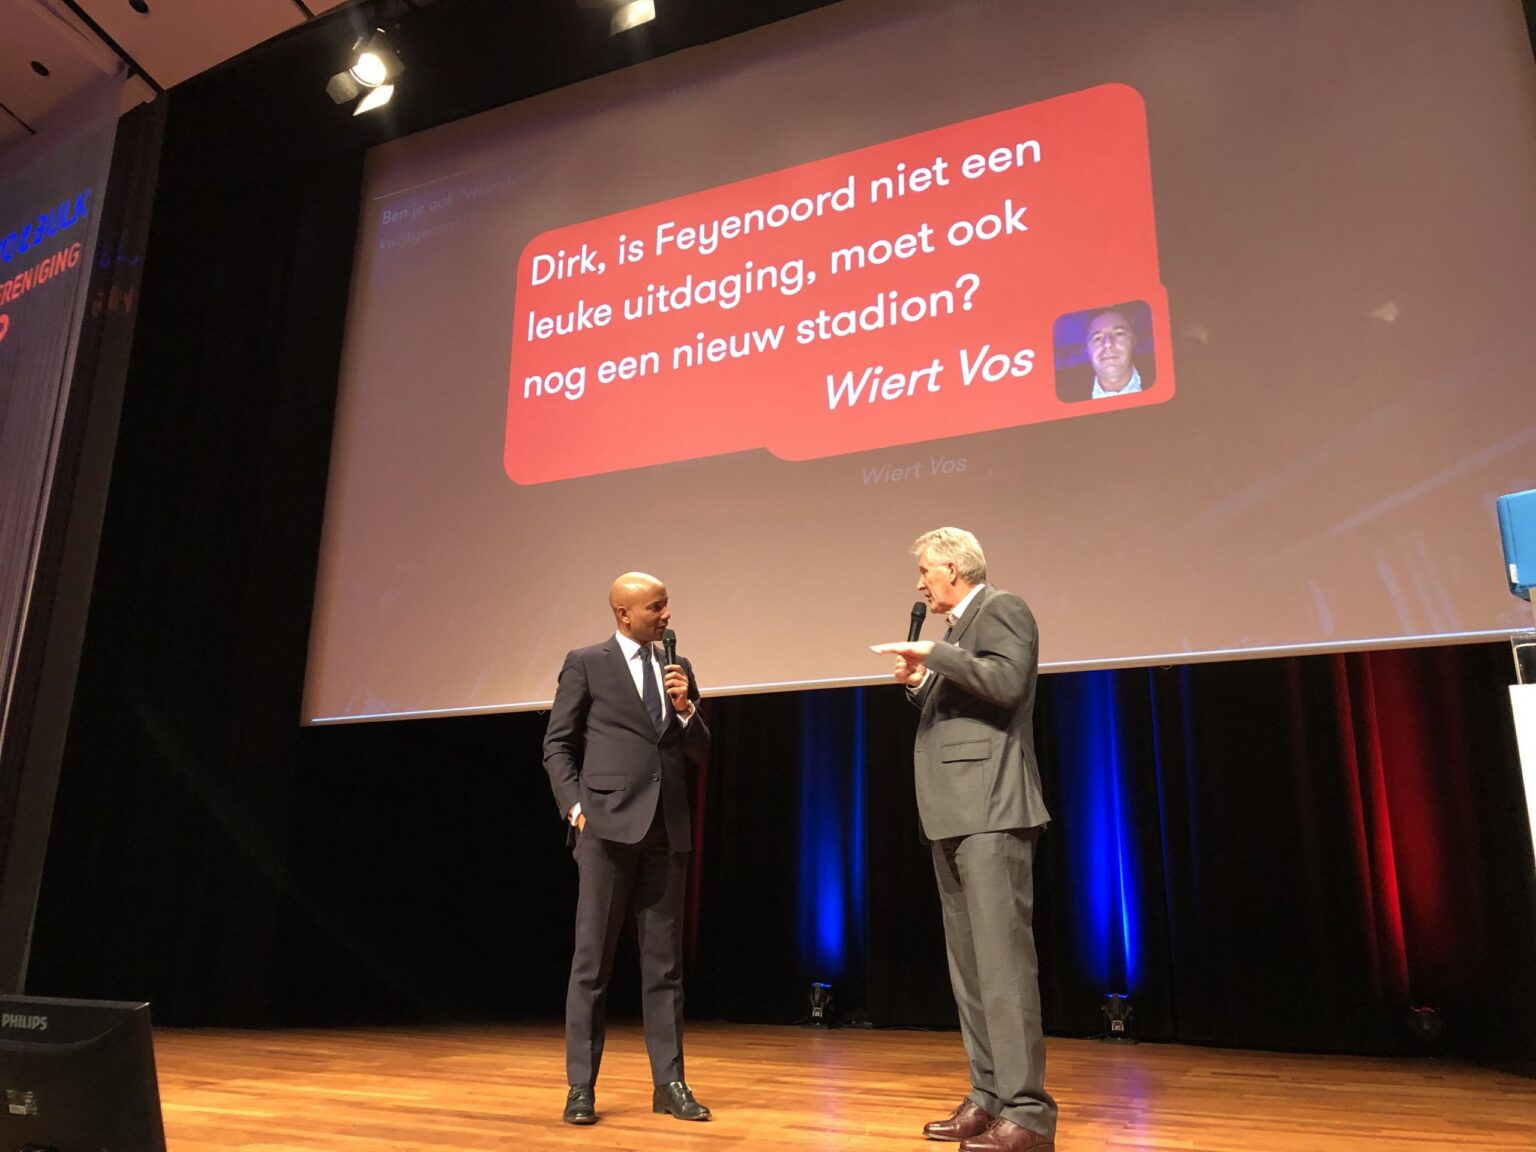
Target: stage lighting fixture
821,1006
631,15
1428,1025
371,74
1117,1016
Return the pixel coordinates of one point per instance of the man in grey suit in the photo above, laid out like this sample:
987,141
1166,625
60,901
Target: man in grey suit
617,750
978,796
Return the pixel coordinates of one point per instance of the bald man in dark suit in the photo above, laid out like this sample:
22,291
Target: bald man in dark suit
622,731
979,800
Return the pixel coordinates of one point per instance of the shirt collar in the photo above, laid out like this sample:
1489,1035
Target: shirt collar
630,647
958,611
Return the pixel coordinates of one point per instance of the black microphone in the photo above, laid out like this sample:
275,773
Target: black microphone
669,646
914,629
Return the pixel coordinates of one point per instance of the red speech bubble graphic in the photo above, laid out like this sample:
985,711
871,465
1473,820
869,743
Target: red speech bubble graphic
898,293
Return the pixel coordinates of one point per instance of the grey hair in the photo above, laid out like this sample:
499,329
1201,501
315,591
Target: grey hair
958,547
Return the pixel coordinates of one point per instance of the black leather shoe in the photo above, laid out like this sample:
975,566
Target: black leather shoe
580,1107
677,1098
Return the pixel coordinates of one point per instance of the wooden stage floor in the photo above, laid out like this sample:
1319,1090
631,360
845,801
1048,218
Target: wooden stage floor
789,1088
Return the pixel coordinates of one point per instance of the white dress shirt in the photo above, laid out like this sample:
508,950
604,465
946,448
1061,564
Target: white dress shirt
1131,385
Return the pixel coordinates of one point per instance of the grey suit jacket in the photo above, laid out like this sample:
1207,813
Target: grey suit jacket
601,749
975,751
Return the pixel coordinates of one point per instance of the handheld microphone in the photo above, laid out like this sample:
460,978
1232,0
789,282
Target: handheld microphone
914,629
669,646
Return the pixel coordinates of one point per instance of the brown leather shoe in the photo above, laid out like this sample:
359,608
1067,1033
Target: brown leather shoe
970,1119
1006,1136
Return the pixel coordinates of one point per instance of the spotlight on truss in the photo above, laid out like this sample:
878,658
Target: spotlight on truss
370,75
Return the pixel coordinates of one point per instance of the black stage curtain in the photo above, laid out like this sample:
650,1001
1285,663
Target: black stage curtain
165,870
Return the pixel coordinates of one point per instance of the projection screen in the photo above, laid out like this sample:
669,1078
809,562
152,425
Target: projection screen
752,316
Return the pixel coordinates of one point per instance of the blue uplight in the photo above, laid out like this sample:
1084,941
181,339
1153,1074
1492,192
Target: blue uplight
1097,833
832,832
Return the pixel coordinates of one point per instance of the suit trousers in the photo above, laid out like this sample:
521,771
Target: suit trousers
986,889
615,878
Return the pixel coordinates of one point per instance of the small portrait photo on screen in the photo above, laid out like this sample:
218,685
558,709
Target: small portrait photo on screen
1104,352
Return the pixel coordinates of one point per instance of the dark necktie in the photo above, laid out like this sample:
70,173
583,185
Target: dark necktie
650,691
954,622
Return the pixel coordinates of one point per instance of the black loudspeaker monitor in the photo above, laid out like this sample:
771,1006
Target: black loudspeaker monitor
77,1076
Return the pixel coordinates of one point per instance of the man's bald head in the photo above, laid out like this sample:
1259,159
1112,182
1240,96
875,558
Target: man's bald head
639,603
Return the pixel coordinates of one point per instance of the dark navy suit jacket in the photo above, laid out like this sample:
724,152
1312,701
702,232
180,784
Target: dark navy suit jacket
602,750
